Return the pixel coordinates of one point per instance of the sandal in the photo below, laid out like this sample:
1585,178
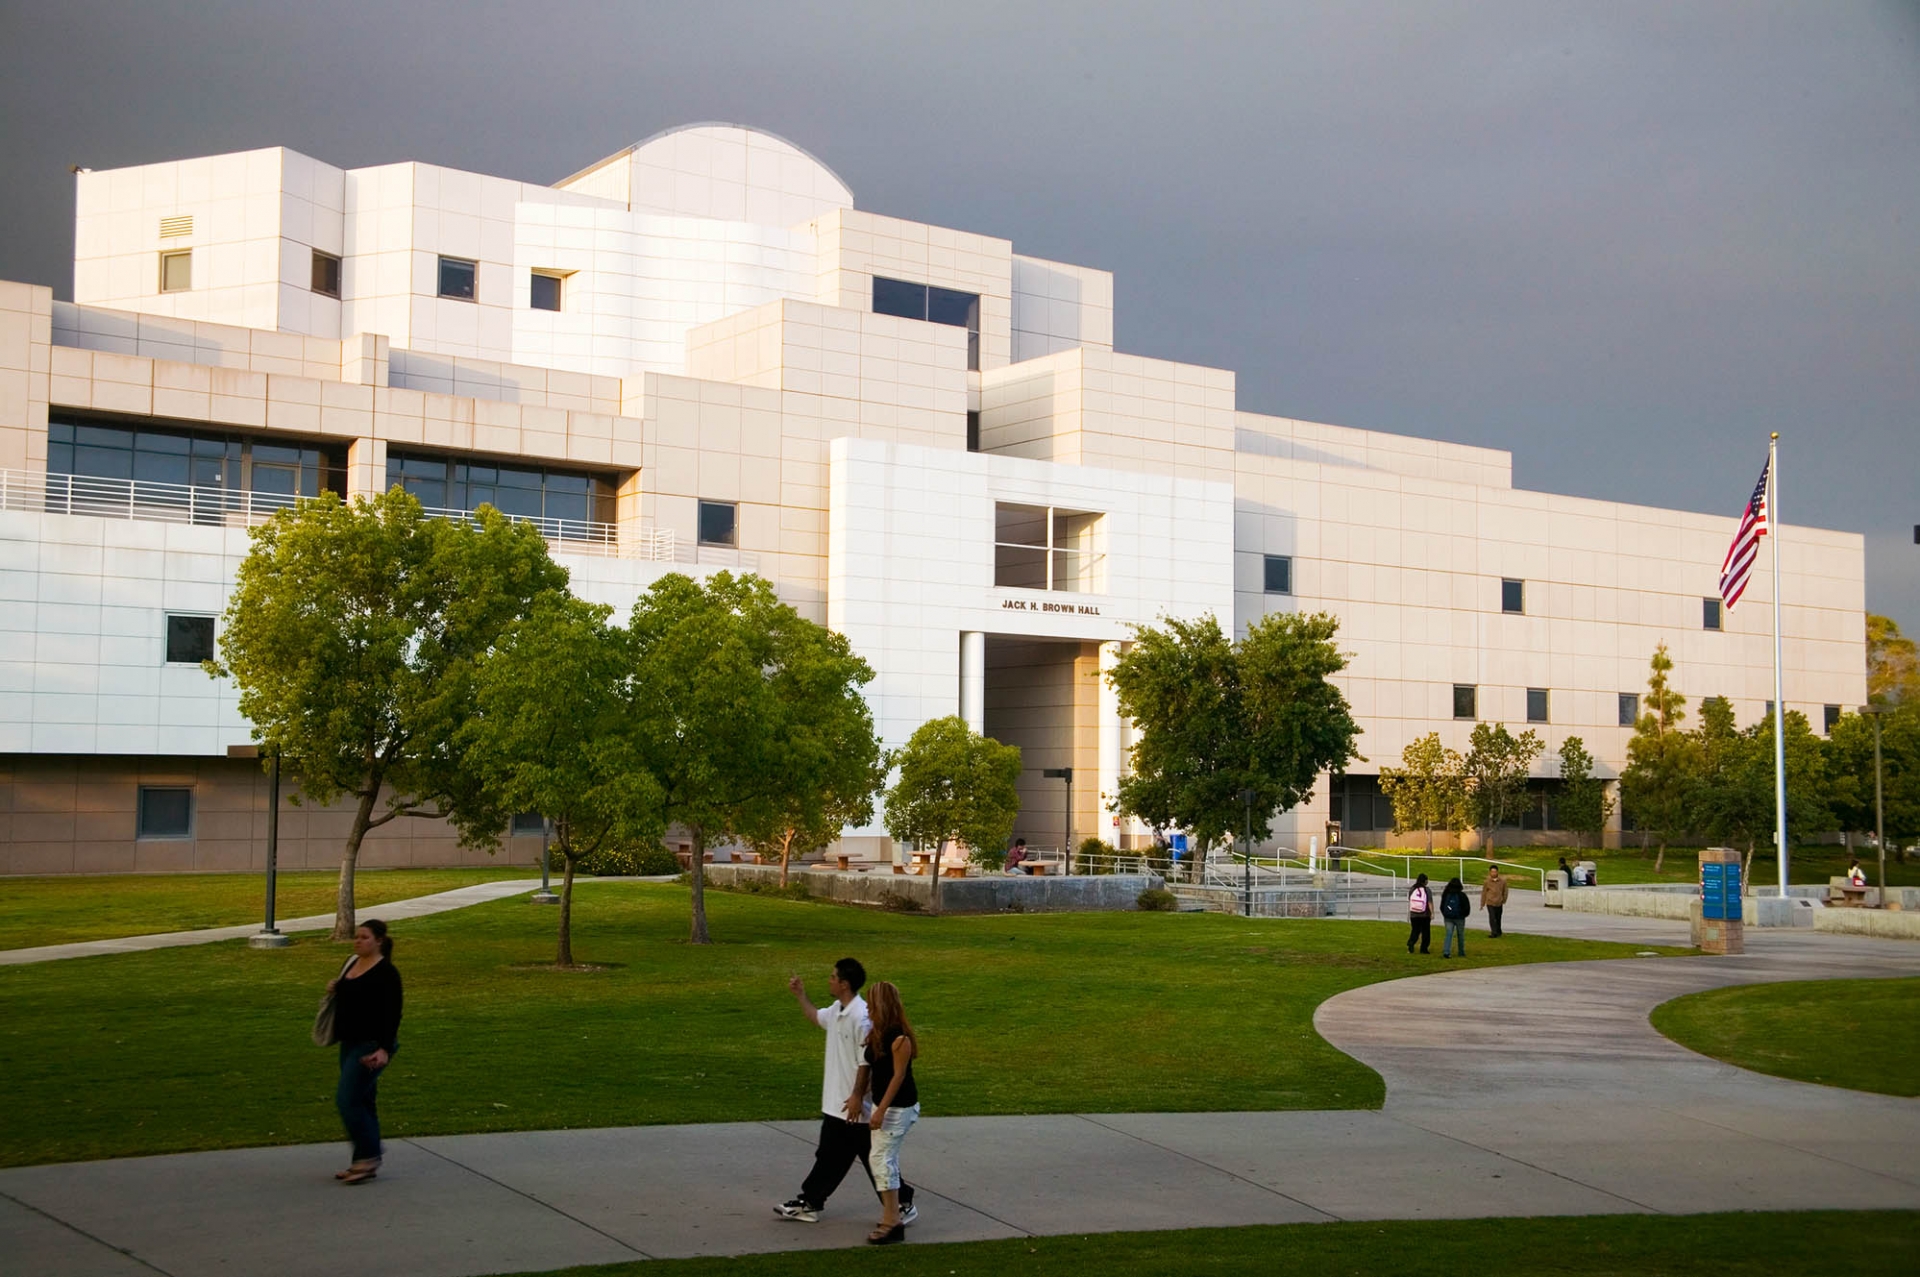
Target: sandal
359,1175
356,1167
882,1235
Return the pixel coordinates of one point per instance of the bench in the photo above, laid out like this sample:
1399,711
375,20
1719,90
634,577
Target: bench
1842,894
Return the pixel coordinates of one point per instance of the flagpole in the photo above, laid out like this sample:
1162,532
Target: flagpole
1779,698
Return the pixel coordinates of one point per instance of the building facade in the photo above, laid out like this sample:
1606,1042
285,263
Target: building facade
699,354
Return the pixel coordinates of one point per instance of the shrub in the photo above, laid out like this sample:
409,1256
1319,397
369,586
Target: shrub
644,861
1158,900
1095,856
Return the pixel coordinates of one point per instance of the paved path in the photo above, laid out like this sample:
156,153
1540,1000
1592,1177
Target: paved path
392,911
1531,1090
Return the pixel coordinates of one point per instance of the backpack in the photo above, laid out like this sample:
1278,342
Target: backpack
1455,906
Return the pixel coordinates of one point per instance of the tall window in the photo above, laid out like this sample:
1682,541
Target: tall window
934,305
165,812
719,523
1513,596
973,432
459,278
1277,574
1629,709
1830,719
523,491
1709,614
1044,548
176,271
1465,700
544,293
326,274
1536,704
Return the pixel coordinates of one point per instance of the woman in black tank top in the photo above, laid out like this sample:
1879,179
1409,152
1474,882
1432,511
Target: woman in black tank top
896,1101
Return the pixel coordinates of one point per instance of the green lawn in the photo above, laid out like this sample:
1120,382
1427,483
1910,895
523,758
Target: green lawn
1863,1034
60,910
1787,1244
206,1047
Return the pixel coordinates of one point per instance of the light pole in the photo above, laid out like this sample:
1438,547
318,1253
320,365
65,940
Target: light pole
1066,774
1879,803
545,895
269,936
1246,801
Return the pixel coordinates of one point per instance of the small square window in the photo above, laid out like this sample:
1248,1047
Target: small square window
1465,701
1278,577
165,813
545,293
326,274
459,278
1629,709
717,522
189,639
1830,720
528,822
1536,704
176,271
1709,614
1513,596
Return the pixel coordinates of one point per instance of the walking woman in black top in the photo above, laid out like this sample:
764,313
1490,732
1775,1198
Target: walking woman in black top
366,1022
888,1072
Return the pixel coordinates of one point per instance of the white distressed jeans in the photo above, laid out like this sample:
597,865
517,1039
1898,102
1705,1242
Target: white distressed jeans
885,1155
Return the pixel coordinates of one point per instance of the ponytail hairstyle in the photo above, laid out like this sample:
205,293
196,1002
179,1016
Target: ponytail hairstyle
379,930
884,1006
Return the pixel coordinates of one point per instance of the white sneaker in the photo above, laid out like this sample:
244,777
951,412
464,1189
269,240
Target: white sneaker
909,1213
797,1209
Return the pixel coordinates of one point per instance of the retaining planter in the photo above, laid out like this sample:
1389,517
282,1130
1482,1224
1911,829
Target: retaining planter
984,894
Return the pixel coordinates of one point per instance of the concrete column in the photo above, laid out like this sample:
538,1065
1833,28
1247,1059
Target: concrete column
973,679
1111,753
366,468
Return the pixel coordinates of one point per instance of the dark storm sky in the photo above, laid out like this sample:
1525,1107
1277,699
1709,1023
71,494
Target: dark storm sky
1623,240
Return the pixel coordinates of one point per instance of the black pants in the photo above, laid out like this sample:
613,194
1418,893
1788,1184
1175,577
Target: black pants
841,1144
1422,931
1493,919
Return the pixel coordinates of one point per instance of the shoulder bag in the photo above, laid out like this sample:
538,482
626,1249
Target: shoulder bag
323,1034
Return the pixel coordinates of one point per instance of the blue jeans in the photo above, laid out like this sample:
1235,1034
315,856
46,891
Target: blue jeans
1446,941
355,1098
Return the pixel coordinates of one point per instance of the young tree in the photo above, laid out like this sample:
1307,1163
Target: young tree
1584,803
1496,768
1850,769
352,632
1893,666
1428,789
1730,783
737,697
957,786
835,769
1657,783
1214,718
553,734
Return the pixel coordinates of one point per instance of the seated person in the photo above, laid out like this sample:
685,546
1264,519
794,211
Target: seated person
1856,876
1573,879
1016,855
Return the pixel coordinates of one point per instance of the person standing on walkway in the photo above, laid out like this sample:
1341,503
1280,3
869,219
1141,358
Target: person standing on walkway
844,1134
888,1073
1420,914
1454,908
1493,894
366,1024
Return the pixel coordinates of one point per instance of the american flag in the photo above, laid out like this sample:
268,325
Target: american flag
1746,544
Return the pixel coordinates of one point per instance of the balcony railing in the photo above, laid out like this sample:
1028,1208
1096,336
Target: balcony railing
222,507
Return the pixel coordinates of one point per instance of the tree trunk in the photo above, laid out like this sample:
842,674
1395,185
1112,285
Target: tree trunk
343,919
939,850
563,956
1660,857
1429,840
1746,871
698,935
786,848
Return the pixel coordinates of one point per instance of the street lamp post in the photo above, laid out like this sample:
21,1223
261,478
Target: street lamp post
545,895
1879,804
1247,797
1066,774
269,936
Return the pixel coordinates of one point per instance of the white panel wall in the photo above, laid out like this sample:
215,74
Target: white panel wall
1058,307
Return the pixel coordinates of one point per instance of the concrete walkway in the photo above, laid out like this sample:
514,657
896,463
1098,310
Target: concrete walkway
392,911
1533,1090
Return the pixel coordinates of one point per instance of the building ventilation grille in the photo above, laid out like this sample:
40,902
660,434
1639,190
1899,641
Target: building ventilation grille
176,227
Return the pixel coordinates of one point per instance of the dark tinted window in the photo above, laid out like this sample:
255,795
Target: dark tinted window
1464,701
449,483
717,523
1830,721
158,455
166,813
897,297
529,822
1710,614
189,639
973,432
458,278
1536,704
1629,709
960,310
1513,596
1278,575
546,291
326,274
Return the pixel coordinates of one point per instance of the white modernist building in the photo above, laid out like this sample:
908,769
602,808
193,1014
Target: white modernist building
698,353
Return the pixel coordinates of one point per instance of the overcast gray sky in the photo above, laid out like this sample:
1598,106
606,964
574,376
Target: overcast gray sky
1623,240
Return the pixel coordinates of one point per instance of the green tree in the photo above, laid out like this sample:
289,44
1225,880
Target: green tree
1893,667
1850,773
353,631
1730,781
733,688
1496,769
1584,802
834,768
1657,784
1428,789
1214,718
957,786
554,734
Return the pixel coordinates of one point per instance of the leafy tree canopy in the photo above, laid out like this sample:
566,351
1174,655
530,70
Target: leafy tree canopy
1893,667
1584,803
955,785
1428,789
1496,767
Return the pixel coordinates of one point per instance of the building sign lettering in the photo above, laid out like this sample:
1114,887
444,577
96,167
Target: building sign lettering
1047,605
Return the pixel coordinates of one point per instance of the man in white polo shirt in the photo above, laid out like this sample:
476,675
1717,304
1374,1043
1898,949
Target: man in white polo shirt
844,1134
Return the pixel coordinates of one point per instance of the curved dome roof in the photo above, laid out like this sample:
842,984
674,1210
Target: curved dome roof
726,171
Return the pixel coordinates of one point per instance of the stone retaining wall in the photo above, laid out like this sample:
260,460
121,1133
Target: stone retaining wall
985,894
1676,905
1886,924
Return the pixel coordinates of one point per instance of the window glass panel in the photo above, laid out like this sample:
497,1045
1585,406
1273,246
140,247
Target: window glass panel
1830,719
1278,574
189,639
960,310
159,467
157,441
1513,596
973,432
326,274
1629,709
103,436
276,480
103,463
166,813
1463,701
528,822
457,278
546,291
176,272
60,431
1710,614
1536,704
716,523
897,297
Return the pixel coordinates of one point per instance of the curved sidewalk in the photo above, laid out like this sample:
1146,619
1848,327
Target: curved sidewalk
1536,1090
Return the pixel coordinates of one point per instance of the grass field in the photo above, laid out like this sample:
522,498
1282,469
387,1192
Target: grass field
1796,1244
207,1047
1863,1034
37,911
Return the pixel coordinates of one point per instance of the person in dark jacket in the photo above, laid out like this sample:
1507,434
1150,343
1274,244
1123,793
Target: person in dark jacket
1454,908
1420,914
366,1024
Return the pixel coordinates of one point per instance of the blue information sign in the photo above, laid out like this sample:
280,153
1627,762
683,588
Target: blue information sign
1720,891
